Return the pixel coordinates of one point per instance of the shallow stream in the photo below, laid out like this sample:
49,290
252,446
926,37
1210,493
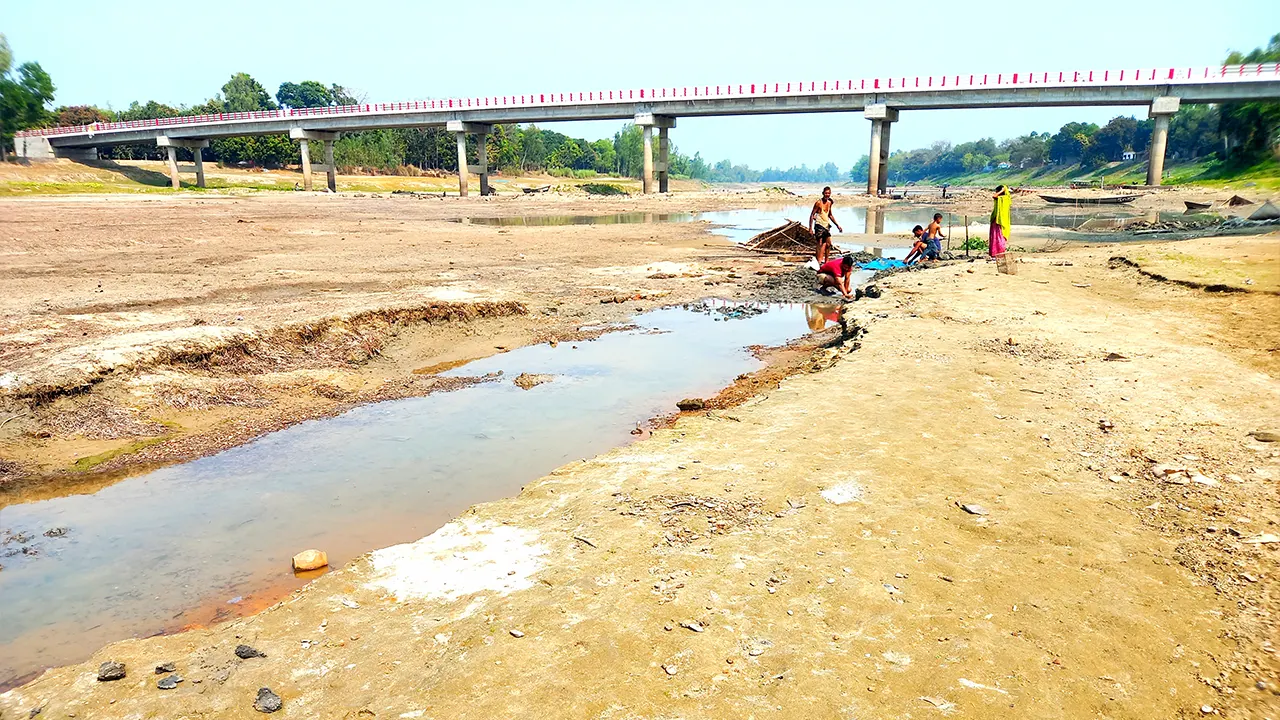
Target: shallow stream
212,539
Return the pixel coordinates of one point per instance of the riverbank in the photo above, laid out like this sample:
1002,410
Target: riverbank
807,550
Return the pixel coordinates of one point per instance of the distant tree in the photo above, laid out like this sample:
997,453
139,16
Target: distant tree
1070,141
628,148
25,95
244,94
1193,132
345,96
1251,127
1113,139
566,155
861,169
306,94
533,152
606,157
81,115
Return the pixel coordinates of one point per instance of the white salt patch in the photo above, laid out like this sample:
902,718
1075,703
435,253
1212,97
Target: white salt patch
896,658
413,714
447,294
462,558
980,686
842,493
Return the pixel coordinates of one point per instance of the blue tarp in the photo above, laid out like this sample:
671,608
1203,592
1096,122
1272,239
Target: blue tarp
882,264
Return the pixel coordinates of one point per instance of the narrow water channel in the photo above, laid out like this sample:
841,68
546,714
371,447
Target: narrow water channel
212,538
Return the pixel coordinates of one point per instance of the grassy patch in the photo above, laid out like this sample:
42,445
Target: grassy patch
87,463
602,189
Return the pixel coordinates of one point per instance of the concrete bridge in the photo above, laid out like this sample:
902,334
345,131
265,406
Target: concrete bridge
881,100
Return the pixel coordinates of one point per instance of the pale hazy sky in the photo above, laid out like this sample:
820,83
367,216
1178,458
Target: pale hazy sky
110,53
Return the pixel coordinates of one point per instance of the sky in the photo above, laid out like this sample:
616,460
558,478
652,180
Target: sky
110,54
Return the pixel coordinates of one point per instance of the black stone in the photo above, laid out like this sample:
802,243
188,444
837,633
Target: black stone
110,670
168,682
267,702
166,668
244,652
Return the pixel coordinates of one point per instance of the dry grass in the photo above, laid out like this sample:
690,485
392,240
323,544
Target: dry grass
100,419
236,393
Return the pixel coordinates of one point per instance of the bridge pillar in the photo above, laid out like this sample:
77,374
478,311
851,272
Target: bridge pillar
304,138
1162,108
172,145
881,117
647,122
461,130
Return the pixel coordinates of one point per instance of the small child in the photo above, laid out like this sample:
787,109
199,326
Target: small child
919,248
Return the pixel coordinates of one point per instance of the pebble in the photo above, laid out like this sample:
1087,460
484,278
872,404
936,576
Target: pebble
169,682
55,532
517,634
110,670
1206,709
973,509
1266,436
245,652
267,701
166,668
689,404
696,627
310,560
670,669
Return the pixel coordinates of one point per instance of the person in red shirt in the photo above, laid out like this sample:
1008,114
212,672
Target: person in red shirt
836,273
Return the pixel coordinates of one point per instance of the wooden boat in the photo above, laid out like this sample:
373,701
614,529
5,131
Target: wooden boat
1197,205
541,189
1110,200
790,238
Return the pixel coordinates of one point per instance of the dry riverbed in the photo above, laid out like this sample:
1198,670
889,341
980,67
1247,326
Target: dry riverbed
1034,495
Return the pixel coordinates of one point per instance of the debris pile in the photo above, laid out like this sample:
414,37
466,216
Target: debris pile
790,238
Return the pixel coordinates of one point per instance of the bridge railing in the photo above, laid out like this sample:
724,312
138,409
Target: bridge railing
902,84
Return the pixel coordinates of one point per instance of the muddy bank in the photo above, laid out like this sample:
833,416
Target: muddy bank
811,553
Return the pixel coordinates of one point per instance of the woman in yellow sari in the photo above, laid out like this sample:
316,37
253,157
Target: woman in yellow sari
998,236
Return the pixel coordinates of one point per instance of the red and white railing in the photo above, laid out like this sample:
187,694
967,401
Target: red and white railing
932,83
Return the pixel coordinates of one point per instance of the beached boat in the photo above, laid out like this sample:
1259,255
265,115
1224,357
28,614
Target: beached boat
1197,205
1109,200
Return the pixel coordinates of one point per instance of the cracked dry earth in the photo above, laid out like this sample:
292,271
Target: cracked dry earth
805,552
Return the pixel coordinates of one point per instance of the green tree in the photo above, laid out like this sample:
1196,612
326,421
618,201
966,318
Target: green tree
1251,127
1069,143
244,94
25,96
1113,139
81,115
533,152
306,94
628,149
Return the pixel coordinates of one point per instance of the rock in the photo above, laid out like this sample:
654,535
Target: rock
670,669
872,291
1267,436
310,560
517,634
696,627
689,404
1262,539
110,670
166,668
267,702
973,509
55,532
526,381
169,682
246,652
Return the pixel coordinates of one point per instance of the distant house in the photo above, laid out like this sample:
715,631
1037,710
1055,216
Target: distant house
1004,166
1128,155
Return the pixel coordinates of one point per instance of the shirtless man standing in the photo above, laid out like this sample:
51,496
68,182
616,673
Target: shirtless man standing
820,221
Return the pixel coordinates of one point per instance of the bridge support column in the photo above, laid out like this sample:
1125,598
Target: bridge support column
647,122
664,159
172,145
1162,108
881,117
461,130
304,138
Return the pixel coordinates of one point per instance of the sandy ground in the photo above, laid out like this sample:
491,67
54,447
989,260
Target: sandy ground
806,552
